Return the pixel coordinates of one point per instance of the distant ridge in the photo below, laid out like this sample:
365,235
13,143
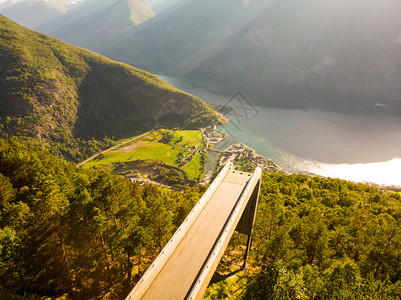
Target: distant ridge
350,46
33,13
95,24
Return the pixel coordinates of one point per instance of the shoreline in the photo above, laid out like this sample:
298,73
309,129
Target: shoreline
234,149
243,156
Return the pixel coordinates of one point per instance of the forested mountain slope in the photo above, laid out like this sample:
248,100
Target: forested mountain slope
87,234
317,238
323,238
54,92
84,234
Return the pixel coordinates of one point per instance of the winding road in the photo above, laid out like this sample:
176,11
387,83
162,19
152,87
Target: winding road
104,151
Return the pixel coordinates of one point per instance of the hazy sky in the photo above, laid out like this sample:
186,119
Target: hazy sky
62,1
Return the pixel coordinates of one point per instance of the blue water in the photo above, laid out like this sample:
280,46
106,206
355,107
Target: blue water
360,147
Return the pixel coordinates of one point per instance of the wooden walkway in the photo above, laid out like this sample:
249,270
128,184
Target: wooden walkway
187,263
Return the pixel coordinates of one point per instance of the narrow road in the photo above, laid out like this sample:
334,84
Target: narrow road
104,151
161,184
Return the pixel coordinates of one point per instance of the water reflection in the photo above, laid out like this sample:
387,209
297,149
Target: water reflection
352,146
387,173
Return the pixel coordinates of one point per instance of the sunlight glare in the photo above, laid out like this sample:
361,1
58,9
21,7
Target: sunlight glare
384,173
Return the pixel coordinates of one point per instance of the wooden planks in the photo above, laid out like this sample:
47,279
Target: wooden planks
178,274
175,274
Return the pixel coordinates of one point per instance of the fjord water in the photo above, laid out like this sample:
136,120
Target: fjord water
353,146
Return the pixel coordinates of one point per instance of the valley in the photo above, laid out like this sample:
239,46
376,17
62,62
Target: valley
101,161
77,102
175,157
167,156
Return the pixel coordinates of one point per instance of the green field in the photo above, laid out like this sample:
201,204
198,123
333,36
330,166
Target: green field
179,148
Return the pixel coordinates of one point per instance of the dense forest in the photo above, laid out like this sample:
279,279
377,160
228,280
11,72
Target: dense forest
88,234
322,238
82,233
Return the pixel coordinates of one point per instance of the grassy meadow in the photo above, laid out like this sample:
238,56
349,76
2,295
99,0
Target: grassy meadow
181,149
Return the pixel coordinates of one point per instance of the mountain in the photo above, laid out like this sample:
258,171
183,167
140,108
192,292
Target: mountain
160,5
188,33
96,24
351,46
78,14
51,91
34,13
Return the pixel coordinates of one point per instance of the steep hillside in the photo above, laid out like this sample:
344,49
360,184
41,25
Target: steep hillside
52,91
352,46
140,11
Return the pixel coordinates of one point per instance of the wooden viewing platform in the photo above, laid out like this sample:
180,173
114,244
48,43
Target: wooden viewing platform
185,266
